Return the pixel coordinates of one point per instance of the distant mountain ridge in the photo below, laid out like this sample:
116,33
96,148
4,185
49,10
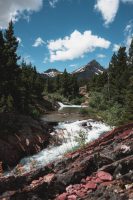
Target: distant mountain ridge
51,73
86,72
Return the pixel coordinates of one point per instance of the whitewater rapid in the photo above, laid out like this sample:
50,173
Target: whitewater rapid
65,133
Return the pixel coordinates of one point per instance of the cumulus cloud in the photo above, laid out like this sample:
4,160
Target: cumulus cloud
38,42
101,56
14,9
109,9
116,47
75,45
53,3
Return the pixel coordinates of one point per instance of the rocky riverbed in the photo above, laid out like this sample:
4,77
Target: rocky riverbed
102,170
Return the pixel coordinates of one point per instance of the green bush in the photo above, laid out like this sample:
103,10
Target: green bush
77,101
114,115
81,139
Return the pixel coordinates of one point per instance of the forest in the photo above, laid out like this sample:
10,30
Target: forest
21,86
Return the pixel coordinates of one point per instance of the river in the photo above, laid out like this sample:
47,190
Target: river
64,137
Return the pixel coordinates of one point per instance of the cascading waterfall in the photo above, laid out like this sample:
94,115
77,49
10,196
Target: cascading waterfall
65,134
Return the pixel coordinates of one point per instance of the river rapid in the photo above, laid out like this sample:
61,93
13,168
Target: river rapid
64,137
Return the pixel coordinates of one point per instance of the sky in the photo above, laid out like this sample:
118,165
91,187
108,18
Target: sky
68,33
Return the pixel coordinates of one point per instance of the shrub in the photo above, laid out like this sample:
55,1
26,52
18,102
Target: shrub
35,113
81,139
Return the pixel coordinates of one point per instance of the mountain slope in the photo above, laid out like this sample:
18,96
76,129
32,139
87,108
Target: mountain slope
89,70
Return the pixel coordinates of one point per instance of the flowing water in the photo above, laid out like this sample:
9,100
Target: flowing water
64,137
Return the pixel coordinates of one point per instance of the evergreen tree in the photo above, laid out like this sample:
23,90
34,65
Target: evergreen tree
2,63
74,87
65,84
11,67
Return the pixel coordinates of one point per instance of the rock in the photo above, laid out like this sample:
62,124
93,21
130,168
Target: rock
104,176
84,124
91,185
90,173
62,196
72,197
26,137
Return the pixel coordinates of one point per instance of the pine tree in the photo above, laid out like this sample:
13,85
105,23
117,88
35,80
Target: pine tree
11,45
2,63
65,84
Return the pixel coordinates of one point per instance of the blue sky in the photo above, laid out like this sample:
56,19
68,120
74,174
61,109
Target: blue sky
68,33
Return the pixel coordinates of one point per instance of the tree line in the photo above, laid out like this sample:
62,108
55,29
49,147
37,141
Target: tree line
63,84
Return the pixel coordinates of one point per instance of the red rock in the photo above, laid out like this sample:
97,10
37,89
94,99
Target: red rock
90,185
106,183
77,186
97,180
83,180
48,178
62,196
104,176
88,178
80,194
72,197
69,189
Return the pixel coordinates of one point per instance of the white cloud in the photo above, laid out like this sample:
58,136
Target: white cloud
53,3
75,45
128,32
14,9
109,9
19,40
38,42
73,65
28,59
116,47
101,56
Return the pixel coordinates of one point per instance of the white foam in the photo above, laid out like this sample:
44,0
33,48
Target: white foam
69,131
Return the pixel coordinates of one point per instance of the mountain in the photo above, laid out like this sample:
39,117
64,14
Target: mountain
86,72
51,73
89,70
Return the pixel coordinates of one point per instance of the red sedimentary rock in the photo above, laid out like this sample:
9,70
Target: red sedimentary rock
104,176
